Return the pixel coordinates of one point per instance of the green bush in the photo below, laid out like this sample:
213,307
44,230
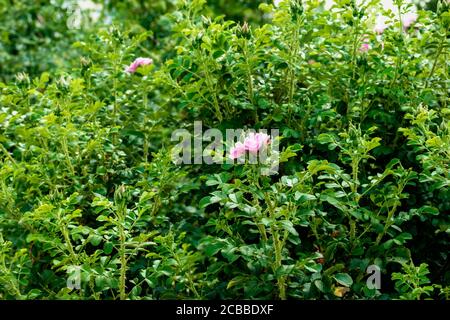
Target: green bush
89,191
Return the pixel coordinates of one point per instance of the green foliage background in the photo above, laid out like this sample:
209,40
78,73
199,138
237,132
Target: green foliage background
86,177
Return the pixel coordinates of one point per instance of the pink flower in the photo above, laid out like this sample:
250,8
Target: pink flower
408,19
364,47
137,63
237,151
379,28
264,138
380,24
254,142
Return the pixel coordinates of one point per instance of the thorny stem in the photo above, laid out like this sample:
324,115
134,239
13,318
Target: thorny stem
5,270
123,262
355,45
436,59
66,153
387,225
278,248
7,154
115,106
146,135
211,89
121,212
188,276
65,233
250,80
293,54
390,216
261,227
398,62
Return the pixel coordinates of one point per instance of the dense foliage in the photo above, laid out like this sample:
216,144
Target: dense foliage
88,186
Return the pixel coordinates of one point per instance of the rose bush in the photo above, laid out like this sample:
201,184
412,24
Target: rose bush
90,196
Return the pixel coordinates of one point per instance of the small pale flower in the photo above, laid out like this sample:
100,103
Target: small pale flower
380,24
276,2
255,141
137,63
237,151
408,19
365,47
263,138
379,28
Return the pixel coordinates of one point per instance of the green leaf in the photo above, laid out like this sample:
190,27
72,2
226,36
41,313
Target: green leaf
429,210
101,171
303,197
108,247
344,279
287,225
204,202
213,246
402,238
313,267
96,240
235,281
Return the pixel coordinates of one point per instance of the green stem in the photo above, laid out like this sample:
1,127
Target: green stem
355,168
278,249
4,270
387,225
250,89
355,45
439,51
65,233
123,263
292,62
115,105
66,153
121,213
398,62
212,90
146,135
261,227
391,212
188,276
7,154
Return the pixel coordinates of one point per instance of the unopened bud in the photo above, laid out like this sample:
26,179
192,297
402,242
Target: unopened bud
85,61
245,28
296,9
23,77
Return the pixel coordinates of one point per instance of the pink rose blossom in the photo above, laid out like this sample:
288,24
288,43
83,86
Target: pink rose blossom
380,24
137,63
237,151
254,142
365,47
408,19
263,138
379,28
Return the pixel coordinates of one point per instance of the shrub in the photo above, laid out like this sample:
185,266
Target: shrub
93,207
